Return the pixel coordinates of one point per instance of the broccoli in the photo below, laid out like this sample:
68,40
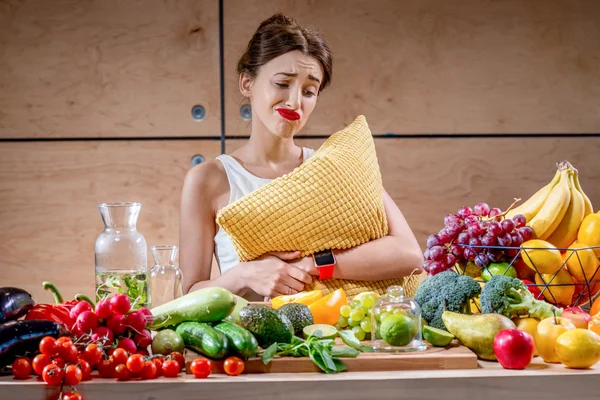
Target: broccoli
445,291
510,297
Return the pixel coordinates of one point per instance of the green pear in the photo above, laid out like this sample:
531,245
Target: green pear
477,331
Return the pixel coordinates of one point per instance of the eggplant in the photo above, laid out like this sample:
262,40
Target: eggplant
14,303
22,337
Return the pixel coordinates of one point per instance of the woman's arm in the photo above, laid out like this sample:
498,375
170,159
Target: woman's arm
392,256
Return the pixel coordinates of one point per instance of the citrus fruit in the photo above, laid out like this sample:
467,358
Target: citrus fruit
528,325
582,263
559,289
397,329
326,331
541,256
578,348
595,309
594,324
589,232
306,298
437,337
167,341
502,268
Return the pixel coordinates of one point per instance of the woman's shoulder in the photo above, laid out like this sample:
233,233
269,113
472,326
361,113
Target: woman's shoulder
208,177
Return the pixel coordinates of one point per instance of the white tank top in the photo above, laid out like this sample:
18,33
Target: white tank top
241,182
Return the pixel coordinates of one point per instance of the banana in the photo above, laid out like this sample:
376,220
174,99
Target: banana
566,232
589,209
552,212
534,204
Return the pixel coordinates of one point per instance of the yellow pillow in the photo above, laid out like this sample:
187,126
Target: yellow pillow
334,200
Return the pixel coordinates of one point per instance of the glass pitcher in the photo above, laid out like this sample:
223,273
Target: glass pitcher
165,275
121,254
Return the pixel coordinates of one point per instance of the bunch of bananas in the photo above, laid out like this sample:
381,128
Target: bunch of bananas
555,212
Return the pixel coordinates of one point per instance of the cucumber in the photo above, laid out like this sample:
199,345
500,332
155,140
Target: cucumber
210,304
241,341
204,339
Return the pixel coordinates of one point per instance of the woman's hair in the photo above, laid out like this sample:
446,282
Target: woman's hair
278,35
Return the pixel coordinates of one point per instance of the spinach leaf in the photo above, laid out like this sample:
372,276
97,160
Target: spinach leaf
344,351
350,340
269,353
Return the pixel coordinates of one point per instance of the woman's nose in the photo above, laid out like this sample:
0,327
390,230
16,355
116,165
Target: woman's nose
294,99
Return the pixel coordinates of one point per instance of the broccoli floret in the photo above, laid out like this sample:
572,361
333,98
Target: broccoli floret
445,291
510,297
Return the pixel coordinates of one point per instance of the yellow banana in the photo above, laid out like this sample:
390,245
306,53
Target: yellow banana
534,204
566,232
589,209
554,208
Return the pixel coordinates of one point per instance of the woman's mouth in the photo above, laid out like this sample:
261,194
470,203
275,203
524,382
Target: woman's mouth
288,114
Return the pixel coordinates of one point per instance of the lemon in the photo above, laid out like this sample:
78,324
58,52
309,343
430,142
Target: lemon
589,231
582,264
541,256
437,337
578,348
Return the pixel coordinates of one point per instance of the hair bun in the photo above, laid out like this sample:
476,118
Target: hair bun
278,19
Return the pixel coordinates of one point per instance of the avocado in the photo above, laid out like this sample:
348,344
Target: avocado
266,325
299,316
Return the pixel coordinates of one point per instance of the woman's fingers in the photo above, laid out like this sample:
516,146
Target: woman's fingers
286,255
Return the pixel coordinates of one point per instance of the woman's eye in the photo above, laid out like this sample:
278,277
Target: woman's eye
282,85
309,93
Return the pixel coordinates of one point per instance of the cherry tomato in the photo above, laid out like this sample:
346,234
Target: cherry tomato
233,366
122,373
21,368
170,368
158,362
120,356
135,363
201,367
68,352
149,371
63,339
106,368
86,369
59,362
48,346
92,354
72,396
73,374
39,362
53,375
177,356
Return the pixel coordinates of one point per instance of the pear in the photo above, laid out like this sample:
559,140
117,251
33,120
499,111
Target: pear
477,331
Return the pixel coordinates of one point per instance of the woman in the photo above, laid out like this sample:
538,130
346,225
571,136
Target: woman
284,69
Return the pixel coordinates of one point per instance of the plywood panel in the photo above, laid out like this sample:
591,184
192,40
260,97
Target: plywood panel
429,178
108,68
438,66
49,193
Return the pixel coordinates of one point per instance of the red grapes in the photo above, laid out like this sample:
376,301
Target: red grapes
468,234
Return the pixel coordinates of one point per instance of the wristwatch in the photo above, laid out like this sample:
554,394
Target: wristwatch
325,263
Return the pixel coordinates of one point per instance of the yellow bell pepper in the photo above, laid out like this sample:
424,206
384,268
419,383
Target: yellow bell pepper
327,310
305,298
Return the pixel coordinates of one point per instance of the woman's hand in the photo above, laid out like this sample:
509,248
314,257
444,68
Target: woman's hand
271,276
306,264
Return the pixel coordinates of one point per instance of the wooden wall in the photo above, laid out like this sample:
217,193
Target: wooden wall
96,100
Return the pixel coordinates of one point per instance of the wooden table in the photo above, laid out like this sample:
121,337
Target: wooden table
489,382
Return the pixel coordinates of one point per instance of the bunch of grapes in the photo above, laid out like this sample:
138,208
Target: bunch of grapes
467,233
357,316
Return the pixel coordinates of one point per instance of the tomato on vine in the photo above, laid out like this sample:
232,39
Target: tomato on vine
72,396
73,374
92,354
21,368
135,363
53,374
201,367
48,346
170,368
39,362
233,366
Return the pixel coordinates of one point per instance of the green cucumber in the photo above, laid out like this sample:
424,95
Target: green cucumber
210,304
241,341
204,339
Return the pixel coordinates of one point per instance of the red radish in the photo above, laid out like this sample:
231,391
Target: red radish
104,309
120,303
146,312
116,323
143,352
79,308
143,339
137,321
102,332
128,345
87,321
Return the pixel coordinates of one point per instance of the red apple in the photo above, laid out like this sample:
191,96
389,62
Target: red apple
514,348
578,317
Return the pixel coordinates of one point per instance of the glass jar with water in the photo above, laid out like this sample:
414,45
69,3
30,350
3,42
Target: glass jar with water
121,254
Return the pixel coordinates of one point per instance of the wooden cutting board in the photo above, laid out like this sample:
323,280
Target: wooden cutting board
454,356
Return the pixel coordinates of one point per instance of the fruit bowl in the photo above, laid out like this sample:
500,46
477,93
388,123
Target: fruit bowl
565,277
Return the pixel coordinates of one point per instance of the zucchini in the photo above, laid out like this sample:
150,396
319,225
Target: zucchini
241,341
204,339
210,304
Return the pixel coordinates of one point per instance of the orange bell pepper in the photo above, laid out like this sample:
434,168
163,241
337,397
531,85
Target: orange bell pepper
327,310
306,298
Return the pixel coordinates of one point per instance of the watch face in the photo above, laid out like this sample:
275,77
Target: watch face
324,258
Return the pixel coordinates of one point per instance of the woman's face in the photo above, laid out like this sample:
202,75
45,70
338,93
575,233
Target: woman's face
284,93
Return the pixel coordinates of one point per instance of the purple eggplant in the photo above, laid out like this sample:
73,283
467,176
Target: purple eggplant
14,303
22,338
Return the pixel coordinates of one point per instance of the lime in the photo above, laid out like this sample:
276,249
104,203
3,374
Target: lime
167,341
397,329
326,331
501,268
437,337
